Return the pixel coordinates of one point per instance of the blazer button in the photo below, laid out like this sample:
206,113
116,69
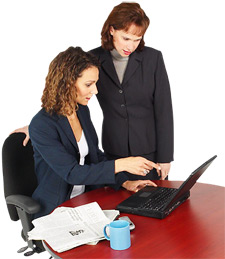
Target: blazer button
122,105
120,91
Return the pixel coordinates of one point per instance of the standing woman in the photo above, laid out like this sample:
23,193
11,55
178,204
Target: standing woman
134,94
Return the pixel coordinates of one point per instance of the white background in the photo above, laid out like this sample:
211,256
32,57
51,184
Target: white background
190,35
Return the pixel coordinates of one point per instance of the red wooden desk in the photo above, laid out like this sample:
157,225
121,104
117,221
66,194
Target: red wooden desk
193,230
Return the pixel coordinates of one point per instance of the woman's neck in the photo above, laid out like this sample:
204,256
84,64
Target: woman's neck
72,117
75,125
116,55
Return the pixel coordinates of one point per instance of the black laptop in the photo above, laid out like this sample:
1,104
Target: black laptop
159,202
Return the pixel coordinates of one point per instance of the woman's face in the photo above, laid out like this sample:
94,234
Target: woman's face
86,85
126,42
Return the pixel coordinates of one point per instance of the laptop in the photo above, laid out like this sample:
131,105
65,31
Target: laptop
159,202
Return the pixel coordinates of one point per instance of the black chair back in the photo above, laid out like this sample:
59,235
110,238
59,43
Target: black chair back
18,169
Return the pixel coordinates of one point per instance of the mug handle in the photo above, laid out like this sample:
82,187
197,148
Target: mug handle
106,236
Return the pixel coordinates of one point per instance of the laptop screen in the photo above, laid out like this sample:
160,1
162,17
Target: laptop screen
191,180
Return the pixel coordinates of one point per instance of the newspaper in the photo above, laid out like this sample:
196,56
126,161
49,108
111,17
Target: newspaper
67,228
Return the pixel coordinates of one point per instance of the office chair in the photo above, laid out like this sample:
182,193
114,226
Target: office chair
19,183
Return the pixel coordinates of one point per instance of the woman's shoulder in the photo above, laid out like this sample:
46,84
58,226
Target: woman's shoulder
42,114
149,54
98,52
150,51
42,118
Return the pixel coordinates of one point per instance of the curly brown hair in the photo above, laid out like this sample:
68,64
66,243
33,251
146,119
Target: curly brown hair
59,94
121,17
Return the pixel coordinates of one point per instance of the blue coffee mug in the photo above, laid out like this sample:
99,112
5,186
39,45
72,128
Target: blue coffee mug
119,234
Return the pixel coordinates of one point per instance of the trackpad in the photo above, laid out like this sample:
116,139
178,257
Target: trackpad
144,194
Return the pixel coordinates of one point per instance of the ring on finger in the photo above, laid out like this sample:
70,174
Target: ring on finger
146,171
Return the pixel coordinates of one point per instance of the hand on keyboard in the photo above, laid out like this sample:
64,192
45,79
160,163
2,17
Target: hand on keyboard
137,185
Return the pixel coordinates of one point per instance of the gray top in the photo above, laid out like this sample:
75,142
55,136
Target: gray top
120,64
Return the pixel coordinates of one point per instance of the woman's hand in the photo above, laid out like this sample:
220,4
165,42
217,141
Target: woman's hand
165,168
137,185
23,130
135,165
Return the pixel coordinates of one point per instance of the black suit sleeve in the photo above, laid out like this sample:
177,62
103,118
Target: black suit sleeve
120,179
163,114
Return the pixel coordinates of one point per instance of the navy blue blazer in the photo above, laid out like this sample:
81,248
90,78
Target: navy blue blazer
56,157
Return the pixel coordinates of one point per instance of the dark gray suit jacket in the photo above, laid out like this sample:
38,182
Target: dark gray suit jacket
137,114
138,117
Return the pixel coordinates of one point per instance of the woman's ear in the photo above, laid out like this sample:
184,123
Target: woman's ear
111,30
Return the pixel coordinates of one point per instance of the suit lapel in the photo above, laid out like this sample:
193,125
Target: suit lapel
133,63
65,125
81,117
108,66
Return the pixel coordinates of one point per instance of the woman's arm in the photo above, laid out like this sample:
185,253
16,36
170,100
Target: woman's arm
163,113
48,146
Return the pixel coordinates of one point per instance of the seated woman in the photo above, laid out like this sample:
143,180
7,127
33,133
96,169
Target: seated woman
67,158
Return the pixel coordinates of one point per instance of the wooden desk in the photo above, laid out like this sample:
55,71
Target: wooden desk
193,230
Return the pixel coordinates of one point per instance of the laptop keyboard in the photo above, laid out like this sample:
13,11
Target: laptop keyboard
158,199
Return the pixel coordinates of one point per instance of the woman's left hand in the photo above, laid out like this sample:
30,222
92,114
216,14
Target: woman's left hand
165,168
137,185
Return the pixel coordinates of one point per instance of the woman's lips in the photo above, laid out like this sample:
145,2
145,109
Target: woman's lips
126,52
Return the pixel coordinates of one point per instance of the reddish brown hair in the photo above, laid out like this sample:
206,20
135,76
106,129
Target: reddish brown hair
121,17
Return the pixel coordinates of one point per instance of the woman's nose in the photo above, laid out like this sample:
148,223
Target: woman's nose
94,90
131,46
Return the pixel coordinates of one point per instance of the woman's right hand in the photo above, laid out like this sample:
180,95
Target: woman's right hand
23,130
135,165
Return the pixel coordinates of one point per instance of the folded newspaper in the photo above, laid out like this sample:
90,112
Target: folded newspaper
66,228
